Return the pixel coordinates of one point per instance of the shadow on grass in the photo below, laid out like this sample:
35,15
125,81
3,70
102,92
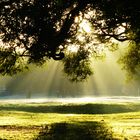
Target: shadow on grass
76,131
72,108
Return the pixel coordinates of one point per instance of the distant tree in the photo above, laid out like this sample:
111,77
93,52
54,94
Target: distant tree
33,31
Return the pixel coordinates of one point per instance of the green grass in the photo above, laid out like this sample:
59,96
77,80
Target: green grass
57,121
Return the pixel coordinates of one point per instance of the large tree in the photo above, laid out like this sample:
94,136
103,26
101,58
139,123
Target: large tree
33,31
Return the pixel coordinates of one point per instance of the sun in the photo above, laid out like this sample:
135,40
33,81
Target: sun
85,26
72,48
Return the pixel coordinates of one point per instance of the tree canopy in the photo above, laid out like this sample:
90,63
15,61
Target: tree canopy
33,31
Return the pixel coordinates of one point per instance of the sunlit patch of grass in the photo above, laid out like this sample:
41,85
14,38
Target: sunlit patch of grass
26,121
19,132
127,124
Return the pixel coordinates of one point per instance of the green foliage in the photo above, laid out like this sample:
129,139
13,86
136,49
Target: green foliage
39,27
10,63
113,46
77,65
130,61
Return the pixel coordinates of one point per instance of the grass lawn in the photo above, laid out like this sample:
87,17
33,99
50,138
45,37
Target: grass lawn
69,121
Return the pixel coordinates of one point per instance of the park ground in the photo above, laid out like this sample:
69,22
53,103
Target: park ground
69,121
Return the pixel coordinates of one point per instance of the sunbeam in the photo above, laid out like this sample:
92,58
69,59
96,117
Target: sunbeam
50,81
